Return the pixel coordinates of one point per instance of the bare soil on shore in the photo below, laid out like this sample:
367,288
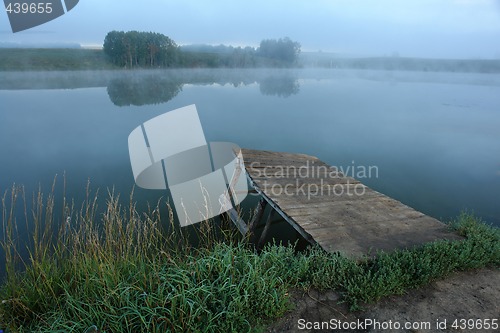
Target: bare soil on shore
461,296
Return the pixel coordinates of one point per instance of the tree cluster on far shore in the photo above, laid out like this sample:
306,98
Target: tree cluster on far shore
140,49
134,49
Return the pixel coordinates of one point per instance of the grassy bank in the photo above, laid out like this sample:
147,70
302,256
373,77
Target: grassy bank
56,59
121,272
20,59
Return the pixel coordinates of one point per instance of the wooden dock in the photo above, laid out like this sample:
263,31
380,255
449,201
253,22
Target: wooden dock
335,211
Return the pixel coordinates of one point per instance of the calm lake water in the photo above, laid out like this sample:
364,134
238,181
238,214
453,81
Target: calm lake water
434,137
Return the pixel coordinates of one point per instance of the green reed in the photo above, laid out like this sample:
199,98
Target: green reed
123,271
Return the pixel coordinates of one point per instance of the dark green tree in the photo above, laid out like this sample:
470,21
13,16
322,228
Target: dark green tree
284,50
140,49
115,48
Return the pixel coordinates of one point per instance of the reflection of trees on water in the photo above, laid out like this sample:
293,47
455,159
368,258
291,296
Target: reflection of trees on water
282,86
146,90
155,88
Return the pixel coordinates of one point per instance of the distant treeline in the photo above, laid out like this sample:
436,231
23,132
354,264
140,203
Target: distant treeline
206,56
403,63
134,49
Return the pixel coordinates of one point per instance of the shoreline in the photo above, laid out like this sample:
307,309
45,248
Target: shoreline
68,59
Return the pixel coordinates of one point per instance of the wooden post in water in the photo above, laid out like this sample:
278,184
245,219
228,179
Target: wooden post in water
257,215
266,229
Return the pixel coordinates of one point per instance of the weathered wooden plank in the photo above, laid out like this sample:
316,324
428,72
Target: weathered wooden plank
320,201
273,154
305,184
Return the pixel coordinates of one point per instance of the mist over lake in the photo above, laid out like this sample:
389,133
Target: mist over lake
433,137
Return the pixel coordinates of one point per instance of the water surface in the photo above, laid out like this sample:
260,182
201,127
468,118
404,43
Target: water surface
433,137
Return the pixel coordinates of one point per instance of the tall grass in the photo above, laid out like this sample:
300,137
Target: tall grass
122,271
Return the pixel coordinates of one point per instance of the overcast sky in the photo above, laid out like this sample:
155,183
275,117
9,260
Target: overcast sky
422,28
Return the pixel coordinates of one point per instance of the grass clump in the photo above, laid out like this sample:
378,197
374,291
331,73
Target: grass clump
121,272
395,272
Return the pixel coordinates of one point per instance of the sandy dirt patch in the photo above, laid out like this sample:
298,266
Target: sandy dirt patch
433,308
